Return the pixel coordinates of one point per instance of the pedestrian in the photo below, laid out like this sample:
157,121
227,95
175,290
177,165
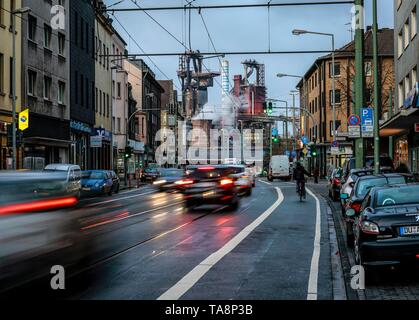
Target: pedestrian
316,175
402,168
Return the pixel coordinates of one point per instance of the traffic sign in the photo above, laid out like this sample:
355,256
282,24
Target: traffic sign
335,144
416,127
354,131
304,140
24,120
354,120
367,118
305,151
274,131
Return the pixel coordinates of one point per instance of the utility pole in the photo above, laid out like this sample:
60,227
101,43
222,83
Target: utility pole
390,138
377,106
359,75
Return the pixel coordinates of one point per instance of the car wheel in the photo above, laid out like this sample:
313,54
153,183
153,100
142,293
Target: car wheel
249,192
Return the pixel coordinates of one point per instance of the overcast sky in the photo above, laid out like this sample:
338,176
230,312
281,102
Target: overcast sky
243,30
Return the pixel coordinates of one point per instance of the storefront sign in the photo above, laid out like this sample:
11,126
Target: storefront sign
106,135
24,120
80,126
96,142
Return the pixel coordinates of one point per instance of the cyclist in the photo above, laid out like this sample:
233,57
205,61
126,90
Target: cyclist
299,176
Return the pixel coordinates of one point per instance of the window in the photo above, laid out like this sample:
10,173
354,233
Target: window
12,8
32,28
107,105
47,88
407,86
47,36
338,124
118,92
368,68
400,44
61,44
337,97
100,101
100,51
119,124
401,94
61,92
2,12
413,23
337,69
406,37
104,102
82,33
96,44
1,73
81,90
96,101
76,28
31,82
368,95
414,76
104,53
107,58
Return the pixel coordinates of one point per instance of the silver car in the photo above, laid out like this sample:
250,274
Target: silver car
73,176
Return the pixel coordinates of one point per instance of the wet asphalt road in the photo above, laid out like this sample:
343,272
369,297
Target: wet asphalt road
145,245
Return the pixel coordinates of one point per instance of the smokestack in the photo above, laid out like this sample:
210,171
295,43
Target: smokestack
225,76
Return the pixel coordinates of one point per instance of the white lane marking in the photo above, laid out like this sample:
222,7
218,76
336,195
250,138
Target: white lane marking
188,281
269,184
314,269
135,189
118,199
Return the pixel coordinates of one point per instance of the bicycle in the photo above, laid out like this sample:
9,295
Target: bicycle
301,190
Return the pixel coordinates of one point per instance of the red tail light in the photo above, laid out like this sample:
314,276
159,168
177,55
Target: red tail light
41,205
206,168
356,206
226,182
184,182
336,181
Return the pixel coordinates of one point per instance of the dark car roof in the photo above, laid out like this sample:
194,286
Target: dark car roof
378,176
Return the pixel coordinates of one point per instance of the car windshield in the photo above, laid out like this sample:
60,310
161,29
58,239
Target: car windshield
171,173
209,173
235,170
148,170
365,185
97,175
397,196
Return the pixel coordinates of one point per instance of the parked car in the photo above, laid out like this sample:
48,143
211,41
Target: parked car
116,183
334,184
167,179
97,182
209,185
387,228
279,168
360,190
348,185
243,181
72,177
386,165
150,174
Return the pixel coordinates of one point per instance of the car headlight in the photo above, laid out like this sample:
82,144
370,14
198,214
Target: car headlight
158,182
370,227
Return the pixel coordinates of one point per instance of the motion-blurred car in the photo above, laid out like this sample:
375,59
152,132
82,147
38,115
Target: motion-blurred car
73,176
360,190
36,232
387,228
116,183
334,183
150,175
97,182
251,172
243,181
209,185
168,178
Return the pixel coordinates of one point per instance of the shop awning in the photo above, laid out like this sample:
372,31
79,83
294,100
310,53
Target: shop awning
401,123
48,142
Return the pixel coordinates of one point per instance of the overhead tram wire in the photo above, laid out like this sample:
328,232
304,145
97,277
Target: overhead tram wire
144,53
234,6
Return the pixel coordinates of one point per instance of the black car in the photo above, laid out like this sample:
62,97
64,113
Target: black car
210,185
167,179
359,191
116,184
387,228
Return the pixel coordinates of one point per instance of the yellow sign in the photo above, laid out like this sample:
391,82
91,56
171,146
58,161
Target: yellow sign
24,120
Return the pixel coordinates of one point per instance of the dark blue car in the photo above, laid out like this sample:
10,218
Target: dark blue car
96,182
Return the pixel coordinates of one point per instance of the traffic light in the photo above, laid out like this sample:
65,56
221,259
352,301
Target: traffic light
265,107
128,152
313,151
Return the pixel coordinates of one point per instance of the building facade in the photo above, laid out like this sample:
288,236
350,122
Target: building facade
6,60
403,118
45,85
316,97
82,80
101,139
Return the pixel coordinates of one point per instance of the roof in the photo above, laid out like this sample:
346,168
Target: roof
385,49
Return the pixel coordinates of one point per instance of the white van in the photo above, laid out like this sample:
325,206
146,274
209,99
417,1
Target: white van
279,168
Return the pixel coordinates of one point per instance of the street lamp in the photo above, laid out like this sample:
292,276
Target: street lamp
298,32
14,13
294,93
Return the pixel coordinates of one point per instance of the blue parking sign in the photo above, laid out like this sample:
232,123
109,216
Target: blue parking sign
367,117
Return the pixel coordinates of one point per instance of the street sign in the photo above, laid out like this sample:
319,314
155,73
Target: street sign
354,131
335,144
274,131
367,123
335,150
24,120
367,131
304,140
354,120
96,142
305,151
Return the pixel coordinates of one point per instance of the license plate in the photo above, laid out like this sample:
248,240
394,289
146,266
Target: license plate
86,189
408,231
